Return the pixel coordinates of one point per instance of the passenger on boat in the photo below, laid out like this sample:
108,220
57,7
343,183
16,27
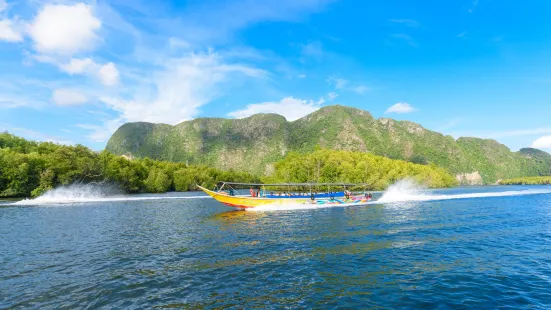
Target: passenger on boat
231,192
252,192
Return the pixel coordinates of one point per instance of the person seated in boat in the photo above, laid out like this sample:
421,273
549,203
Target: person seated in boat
251,191
369,196
231,192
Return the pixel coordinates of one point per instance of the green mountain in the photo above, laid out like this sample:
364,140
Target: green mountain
253,144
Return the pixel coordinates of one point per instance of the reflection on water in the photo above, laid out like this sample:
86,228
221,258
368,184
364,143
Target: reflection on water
236,216
185,253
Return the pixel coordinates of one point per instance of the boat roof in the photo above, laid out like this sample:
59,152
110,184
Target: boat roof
295,184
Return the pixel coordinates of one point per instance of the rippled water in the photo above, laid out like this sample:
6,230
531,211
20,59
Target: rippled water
474,250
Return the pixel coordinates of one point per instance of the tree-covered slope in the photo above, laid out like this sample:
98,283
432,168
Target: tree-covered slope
247,144
253,144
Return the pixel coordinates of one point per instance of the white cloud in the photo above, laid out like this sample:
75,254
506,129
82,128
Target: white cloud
65,29
461,35
302,76
215,21
291,108
400,107
505,134
8,31
78,66
473,6
67,97
3,5
407,39
339,83
108,74
313,50
362,89
542,143
406,22
102,133
181,89
38,136
176,43
331,96
343,84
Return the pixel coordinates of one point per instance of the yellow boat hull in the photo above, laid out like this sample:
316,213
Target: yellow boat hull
248,202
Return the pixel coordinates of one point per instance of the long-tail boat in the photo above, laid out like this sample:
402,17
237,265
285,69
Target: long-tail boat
292,194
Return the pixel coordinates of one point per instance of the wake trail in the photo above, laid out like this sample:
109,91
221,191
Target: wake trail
402,192
69,200
79,194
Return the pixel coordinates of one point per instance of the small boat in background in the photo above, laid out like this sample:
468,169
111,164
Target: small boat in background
285,194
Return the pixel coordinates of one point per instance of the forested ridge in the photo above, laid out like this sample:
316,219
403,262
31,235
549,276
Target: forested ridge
29,168
256,143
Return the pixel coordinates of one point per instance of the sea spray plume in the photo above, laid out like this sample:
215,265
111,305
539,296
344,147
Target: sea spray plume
403,190
80,194
76,193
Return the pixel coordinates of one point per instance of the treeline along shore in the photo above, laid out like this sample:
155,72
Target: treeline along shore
29,168
527,181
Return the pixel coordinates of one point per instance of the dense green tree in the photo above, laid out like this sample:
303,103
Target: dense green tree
29,168
355,167
527,181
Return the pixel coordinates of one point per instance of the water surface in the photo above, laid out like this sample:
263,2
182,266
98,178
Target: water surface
475,250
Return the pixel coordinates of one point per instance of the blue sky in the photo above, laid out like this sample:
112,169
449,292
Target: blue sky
72,71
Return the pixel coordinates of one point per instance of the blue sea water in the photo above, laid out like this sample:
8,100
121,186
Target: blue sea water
482,247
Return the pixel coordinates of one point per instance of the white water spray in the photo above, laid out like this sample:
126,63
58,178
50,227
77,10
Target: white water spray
89,193
404,190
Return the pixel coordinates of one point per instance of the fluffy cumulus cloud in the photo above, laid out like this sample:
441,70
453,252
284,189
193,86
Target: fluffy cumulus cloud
291,108
108,74
401,108
8,32
78,66
68,97
65,29
542,143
